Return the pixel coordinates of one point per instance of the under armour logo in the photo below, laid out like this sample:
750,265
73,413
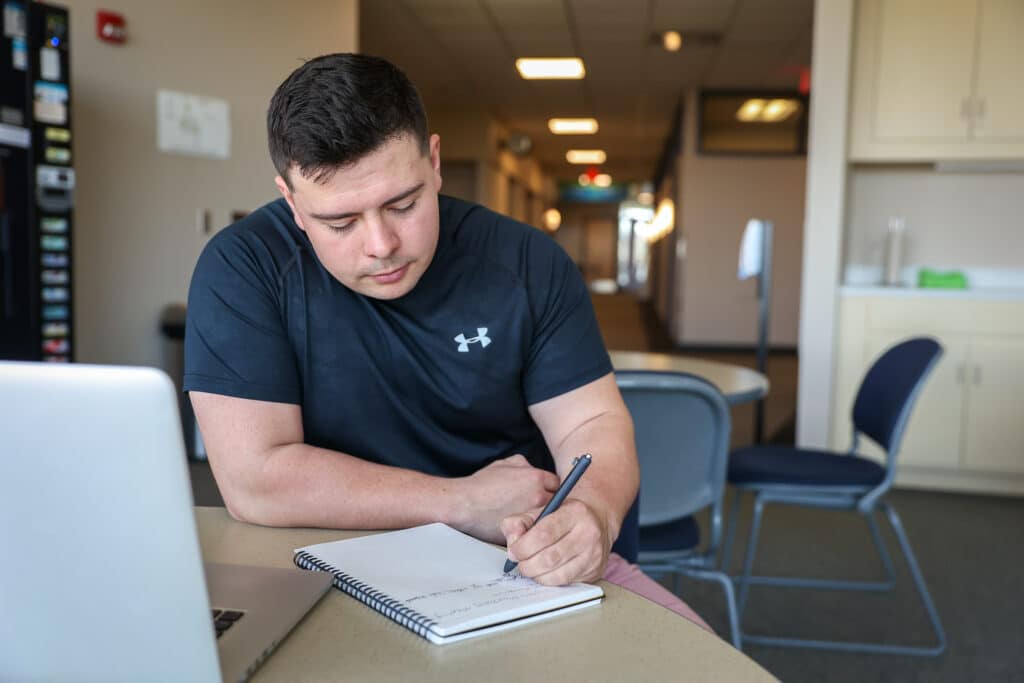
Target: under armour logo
480,338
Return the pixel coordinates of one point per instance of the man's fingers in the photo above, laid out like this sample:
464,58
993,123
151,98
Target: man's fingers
539,536
514,526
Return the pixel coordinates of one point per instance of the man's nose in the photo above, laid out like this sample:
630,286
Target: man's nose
381,239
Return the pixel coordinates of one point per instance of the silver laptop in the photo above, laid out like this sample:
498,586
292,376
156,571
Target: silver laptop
100,575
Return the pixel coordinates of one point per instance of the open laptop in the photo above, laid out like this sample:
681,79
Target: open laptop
100,574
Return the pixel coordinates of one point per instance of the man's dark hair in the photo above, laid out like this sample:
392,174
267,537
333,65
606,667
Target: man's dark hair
335,109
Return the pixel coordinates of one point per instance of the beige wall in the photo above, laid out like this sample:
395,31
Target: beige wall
954,220
718,195
512,185
136,240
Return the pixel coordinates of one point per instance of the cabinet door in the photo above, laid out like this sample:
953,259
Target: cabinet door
994,426
924,58
1000,62
932,435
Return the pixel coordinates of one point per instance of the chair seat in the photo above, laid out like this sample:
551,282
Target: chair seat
788,465
677,535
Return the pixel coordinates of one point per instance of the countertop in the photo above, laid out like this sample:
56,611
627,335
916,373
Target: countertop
978,293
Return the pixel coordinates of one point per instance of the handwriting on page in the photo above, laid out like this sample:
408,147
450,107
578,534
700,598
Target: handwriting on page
465,599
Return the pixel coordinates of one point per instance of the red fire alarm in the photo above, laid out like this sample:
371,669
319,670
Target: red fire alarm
110,27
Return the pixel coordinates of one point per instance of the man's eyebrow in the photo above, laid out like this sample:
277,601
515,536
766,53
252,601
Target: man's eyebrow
338,216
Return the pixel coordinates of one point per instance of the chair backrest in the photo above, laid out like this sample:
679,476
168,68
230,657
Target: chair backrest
890,388
682,438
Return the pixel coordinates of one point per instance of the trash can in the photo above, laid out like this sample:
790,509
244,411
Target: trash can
172,327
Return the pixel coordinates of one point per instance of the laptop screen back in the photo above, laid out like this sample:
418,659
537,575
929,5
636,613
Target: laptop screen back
101,577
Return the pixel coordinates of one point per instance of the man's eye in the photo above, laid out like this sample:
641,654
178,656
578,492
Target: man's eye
341,228
403,208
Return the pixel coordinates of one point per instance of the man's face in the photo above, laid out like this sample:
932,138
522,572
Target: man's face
374,224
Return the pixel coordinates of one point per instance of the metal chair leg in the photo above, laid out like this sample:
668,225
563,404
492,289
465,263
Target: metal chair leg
730,532
748,558
833,584
873,648
890,571
730,599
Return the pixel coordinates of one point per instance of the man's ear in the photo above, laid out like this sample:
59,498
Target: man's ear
282,187
435,158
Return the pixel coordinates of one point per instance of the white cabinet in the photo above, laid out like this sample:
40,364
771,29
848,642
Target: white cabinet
967,429
936,80
994,439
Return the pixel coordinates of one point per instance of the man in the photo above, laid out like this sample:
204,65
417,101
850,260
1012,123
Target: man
367,354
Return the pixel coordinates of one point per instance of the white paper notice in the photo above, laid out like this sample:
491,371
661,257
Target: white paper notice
193,125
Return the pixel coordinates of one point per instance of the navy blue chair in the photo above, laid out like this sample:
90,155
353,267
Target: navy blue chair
627,544
822,479
682,439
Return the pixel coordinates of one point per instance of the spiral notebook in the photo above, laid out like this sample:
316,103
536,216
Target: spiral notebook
440,583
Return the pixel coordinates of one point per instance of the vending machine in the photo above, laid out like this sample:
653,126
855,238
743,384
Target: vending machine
37,182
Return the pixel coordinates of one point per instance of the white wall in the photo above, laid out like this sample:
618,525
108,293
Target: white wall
135,212
719,195
823,217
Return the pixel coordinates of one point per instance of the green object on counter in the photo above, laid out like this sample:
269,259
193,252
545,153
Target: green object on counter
953,279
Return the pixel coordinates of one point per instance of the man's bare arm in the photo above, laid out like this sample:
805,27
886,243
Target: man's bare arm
268,475
572,544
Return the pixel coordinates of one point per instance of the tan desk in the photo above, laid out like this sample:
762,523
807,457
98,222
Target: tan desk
737,383
627,638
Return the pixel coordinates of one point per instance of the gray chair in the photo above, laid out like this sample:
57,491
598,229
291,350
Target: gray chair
682,438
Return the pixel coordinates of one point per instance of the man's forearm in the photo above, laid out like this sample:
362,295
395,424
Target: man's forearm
301,485
611,482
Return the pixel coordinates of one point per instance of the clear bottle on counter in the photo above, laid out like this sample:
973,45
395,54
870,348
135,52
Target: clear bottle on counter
894,243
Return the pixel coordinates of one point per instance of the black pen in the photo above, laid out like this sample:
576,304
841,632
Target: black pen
579,466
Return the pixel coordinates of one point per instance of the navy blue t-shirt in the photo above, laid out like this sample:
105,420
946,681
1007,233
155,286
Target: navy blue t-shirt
438,380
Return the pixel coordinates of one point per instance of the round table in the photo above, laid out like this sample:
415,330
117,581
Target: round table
737,383
627,638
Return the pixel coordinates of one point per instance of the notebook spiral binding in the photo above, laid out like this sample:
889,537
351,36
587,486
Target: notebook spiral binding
389,607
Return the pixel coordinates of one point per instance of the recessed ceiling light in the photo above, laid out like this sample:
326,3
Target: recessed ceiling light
585,156
552,219
766,110
572,126
671,41
750,110
603,180
560,67
778,110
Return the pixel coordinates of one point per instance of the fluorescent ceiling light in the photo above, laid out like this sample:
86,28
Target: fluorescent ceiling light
585,156
572,126
568,67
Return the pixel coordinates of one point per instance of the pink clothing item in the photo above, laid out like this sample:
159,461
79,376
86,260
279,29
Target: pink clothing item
629,576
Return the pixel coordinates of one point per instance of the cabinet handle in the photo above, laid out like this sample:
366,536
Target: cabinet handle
977,374
965,108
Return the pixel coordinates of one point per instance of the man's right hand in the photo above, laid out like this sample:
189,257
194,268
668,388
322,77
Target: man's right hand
505,487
